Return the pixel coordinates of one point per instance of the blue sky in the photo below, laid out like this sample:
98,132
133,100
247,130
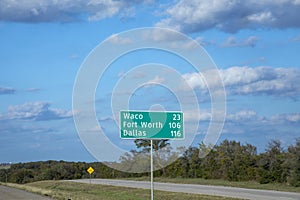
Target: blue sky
254,44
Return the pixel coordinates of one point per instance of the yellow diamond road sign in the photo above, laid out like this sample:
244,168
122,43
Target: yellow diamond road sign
90,170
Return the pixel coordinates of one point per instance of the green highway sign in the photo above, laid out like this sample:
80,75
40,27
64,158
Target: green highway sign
151,125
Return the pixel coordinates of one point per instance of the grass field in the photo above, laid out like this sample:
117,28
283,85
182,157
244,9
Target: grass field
80,191
241,184
4,166
62,190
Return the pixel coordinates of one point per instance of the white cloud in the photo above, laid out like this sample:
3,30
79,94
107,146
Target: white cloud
194,80
192,116
171,38
107,118
233,42
33,89
116,39
249,122
243,115
251,117
256,81
31,11
101,9
39,111
155,81
12,128
161,35
297,38
283,118
293,117
179,41
182,43
231,15
6,90
203,42
262,18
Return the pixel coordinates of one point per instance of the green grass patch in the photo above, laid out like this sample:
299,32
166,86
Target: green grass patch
63,190
220,182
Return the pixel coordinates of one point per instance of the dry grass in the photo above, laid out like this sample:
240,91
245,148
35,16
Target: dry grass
62,190
32,189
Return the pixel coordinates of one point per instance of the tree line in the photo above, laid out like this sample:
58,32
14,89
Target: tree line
229,160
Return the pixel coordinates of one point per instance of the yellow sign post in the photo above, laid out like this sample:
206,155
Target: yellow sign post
90,170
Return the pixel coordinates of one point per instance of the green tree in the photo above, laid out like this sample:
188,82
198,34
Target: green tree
22,176
271,163
144,144
162,151
293,163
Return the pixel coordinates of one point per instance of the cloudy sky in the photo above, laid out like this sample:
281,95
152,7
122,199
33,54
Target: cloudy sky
254,44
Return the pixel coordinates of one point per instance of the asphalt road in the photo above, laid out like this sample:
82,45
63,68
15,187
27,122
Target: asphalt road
242,193
8,193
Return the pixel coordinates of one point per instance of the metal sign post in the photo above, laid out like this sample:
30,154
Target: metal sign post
90,170
151,125
151,155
